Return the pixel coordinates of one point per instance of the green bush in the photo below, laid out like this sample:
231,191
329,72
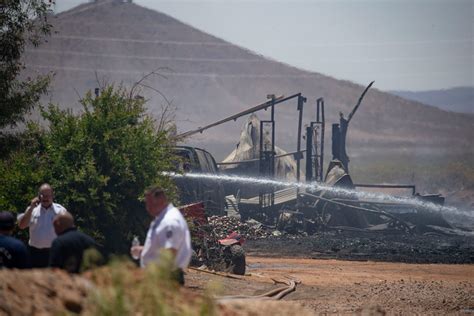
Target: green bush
23,23
99,163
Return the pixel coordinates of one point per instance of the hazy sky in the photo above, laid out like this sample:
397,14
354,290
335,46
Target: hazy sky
404,44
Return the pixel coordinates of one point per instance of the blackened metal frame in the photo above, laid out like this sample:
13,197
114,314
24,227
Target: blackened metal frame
267,158
315,145
264,106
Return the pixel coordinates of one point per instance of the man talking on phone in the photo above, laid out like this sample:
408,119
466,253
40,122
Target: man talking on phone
39,218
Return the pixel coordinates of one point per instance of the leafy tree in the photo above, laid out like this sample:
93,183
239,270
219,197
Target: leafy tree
99,163
22,22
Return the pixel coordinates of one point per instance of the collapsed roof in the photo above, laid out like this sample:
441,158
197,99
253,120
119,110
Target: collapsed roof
248,148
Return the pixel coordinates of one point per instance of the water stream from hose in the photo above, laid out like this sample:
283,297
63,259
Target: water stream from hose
315,186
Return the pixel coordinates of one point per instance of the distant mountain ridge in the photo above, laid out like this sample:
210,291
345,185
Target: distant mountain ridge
459,99
209,79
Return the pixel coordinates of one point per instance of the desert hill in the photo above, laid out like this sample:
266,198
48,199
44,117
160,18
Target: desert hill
459,99
208,78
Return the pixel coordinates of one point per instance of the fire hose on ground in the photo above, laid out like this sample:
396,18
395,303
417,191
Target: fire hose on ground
275,294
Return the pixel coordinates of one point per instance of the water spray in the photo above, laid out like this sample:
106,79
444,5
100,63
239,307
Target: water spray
315,186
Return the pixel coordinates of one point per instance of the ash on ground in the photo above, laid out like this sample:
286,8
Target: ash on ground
348,245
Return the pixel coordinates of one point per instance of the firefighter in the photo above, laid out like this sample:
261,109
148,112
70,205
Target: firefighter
168,232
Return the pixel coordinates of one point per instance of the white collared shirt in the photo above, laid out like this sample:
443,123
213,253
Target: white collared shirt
168,230
41,227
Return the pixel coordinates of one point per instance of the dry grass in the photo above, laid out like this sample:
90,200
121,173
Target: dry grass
122,289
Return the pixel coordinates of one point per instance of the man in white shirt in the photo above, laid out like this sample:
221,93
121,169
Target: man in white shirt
168,232
39,218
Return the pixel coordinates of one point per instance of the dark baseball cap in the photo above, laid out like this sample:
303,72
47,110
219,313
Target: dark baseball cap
7,220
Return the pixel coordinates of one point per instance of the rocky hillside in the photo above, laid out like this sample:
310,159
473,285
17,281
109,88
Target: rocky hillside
208,78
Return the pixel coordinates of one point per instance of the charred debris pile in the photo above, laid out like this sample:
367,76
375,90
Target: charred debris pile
334,203
250,229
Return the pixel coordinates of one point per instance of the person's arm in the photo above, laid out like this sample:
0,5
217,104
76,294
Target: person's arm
24,219
174,237
63,210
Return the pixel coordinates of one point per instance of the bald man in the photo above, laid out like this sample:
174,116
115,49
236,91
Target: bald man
68,248
38,217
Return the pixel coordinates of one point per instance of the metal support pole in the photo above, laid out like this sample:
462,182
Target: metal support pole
318,109
266,167
336,142
273,137
309,154
301,101
323,124
321,120
267,156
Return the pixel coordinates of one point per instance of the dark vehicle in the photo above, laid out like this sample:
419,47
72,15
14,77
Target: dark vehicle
192,190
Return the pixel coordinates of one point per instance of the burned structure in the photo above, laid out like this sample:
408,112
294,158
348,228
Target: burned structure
334,201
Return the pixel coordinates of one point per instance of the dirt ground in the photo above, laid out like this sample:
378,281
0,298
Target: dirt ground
348,287
328,286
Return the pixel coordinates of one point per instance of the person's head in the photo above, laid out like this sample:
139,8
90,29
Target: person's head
155,200
63,222
7,223
46,195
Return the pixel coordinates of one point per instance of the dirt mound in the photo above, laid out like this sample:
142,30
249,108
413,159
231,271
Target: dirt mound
41,292
103,291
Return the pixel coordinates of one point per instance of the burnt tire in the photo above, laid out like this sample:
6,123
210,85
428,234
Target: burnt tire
237,260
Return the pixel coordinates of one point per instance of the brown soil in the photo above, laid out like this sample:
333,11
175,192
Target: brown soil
327,286
334,286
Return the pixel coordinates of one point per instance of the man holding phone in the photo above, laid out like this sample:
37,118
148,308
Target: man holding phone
39,218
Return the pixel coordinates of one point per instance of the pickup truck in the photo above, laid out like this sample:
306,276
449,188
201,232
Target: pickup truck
192,190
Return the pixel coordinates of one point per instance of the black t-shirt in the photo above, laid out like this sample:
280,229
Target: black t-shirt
68,249
13,253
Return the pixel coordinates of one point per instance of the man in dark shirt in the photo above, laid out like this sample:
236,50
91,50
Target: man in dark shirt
68,248
13,253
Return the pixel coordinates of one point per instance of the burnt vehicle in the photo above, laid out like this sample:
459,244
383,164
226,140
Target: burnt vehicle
192,190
